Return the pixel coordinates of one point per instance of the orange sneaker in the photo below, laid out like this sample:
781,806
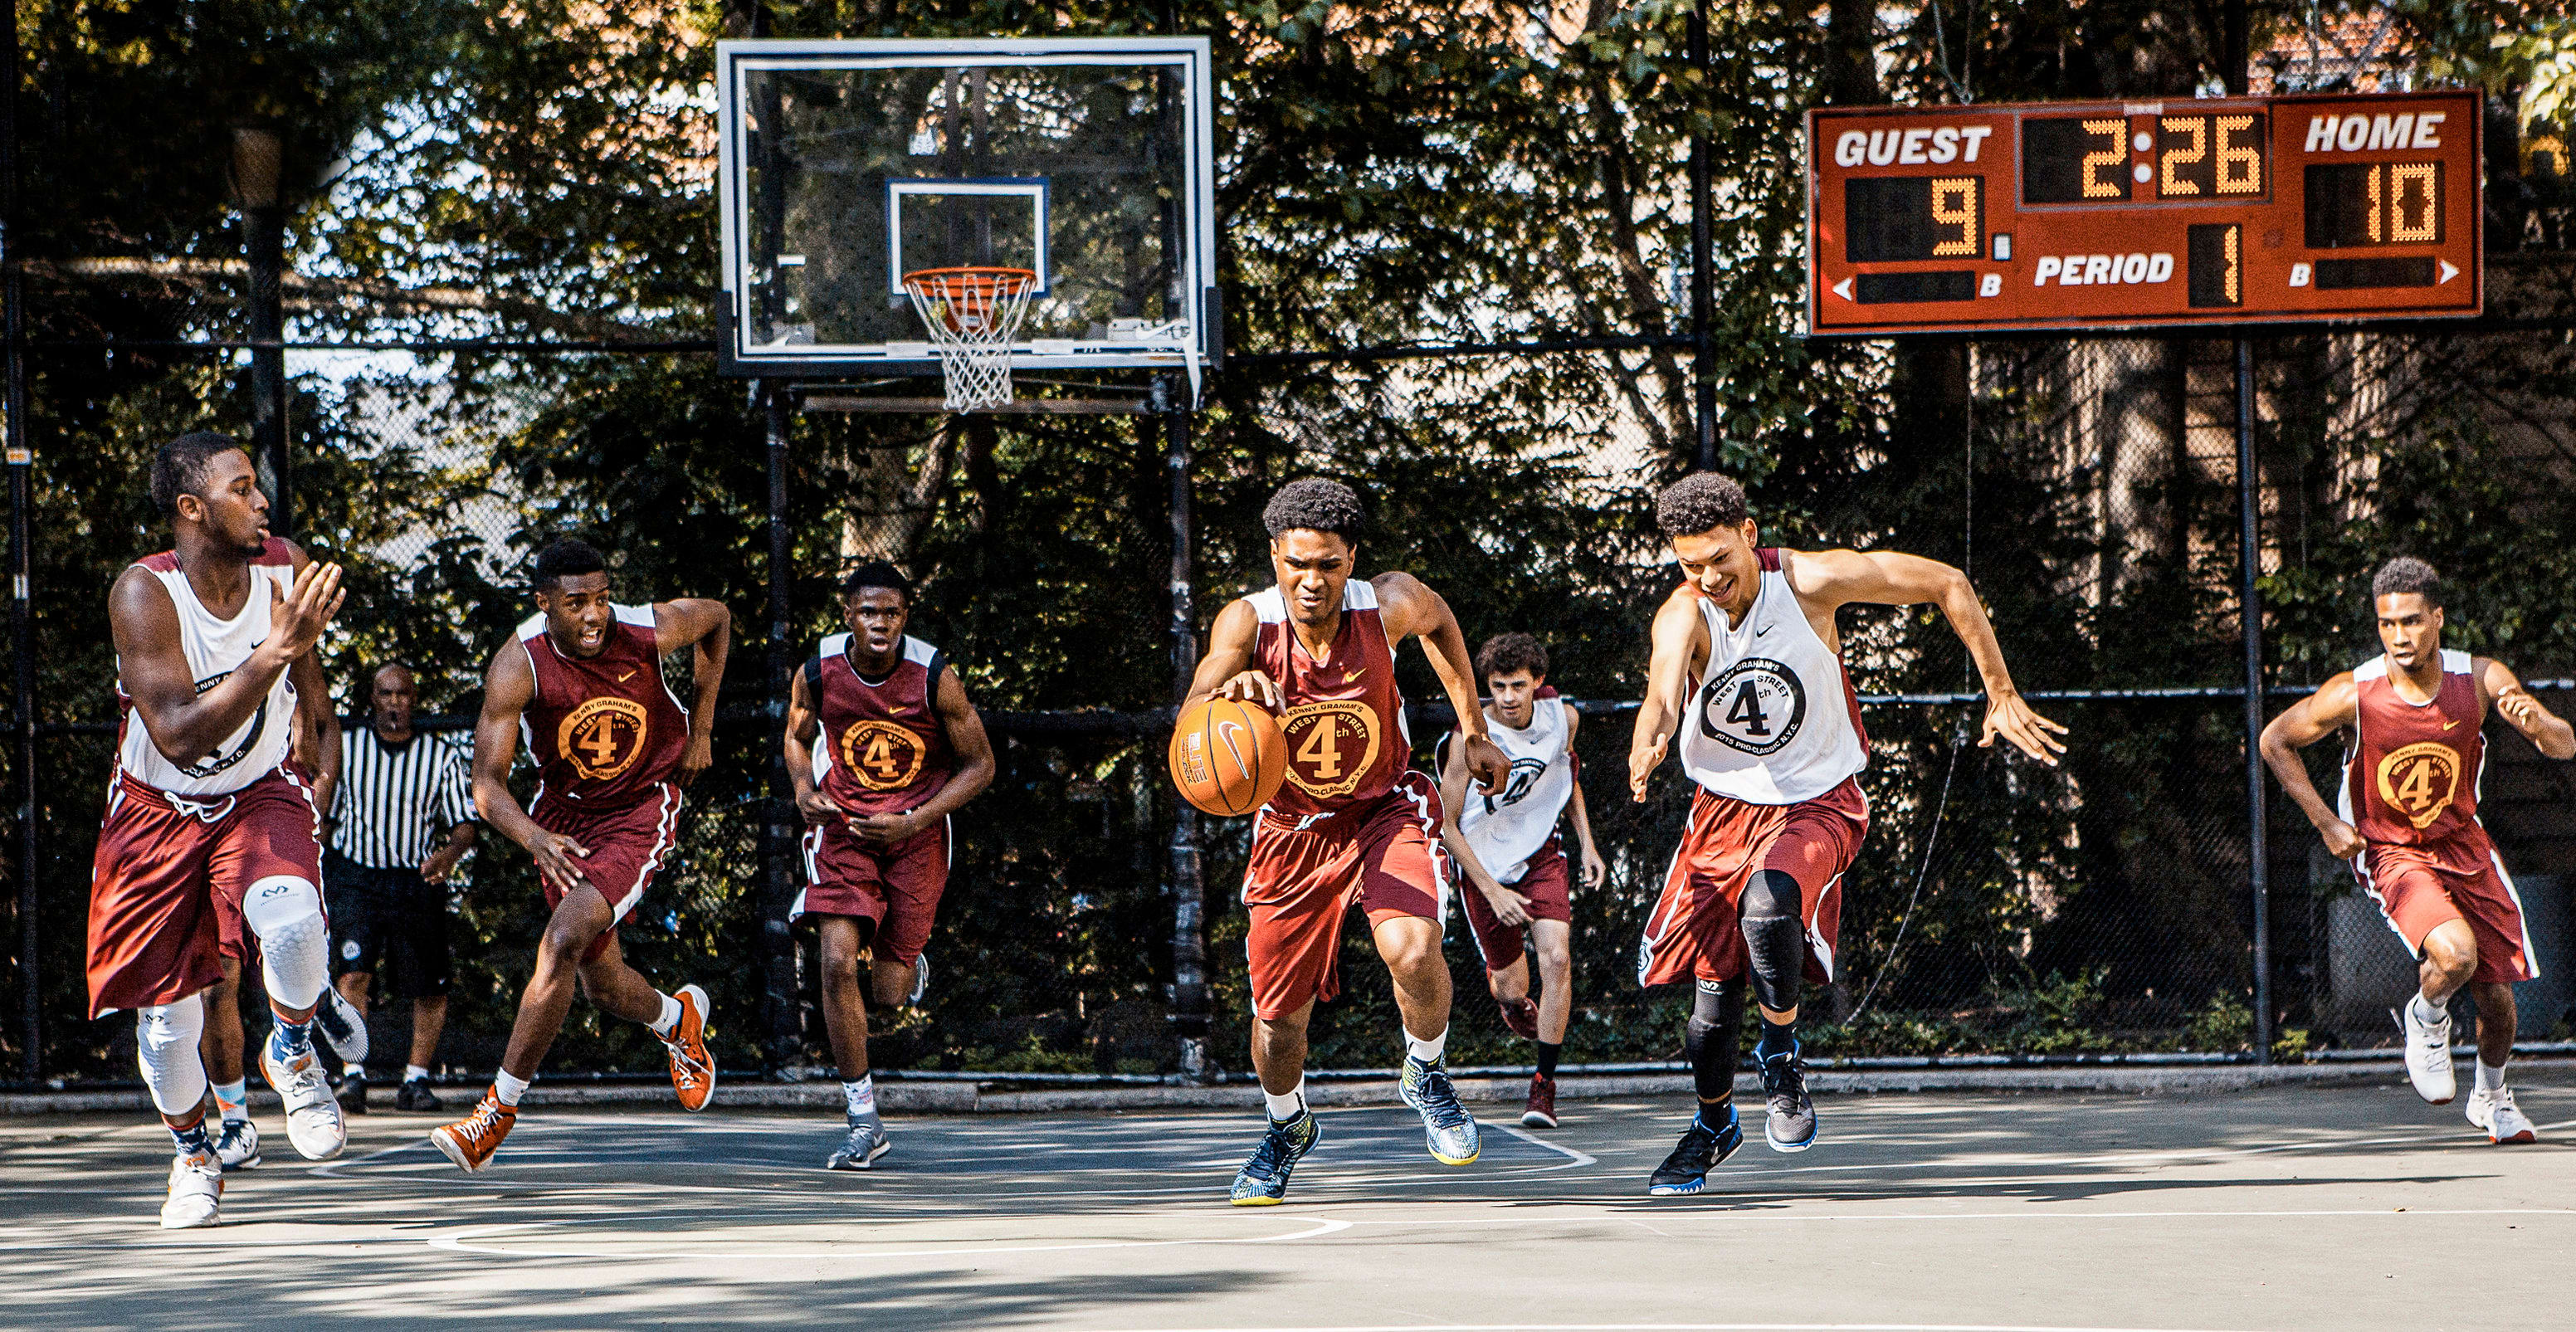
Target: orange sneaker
693,1070
470,1141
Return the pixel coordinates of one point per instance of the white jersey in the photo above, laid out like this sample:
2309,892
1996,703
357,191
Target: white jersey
1772,720
215,649
1513,824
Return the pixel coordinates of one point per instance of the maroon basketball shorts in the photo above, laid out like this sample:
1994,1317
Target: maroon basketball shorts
1383,857
895,889
166,883
1692,932
2420,888
1548,889
627,844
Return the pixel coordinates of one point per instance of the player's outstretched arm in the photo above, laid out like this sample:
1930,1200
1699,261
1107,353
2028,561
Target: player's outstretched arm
1227,668
509,686
1677,639
152,668
2543,728
1830,579
965,729
2311,719
707,627
1594,870
1510,907
804,726
1408,606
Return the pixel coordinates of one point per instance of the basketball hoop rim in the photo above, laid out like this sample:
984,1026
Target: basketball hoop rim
974,274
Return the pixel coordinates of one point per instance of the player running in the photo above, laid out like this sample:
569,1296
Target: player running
901,750
1351,826
2408,823
1748,668
209,811
1505,848
612,747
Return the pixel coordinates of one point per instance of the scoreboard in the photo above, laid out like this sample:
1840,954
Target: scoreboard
2139,214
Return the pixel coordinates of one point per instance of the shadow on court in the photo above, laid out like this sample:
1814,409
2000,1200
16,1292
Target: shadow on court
2281,1208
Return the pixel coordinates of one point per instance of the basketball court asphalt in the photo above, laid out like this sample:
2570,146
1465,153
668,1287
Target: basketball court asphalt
2342,1207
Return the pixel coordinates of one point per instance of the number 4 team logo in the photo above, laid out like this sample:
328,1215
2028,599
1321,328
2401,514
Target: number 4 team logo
1755,705
1331,746
2420,781
882,755
602,737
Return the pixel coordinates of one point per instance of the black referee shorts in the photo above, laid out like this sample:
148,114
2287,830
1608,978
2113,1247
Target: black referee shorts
392,915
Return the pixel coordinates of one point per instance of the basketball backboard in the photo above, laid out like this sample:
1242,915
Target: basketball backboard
846,164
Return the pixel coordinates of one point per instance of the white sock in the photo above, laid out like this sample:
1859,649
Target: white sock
353,1069
508,1088
1429,1051
415,1073
669,1022
1287,1105
2425,1012
859,1099
233,1099
2490,1076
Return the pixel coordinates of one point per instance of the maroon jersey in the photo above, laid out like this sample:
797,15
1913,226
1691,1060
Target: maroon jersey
604,731
2411,773
883,749
1347,742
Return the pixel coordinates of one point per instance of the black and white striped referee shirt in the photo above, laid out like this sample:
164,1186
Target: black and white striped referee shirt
395,805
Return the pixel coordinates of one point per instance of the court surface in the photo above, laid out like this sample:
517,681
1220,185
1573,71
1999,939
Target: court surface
2344,1207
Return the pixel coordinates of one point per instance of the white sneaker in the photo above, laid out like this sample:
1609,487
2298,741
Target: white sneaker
237,1144
2428,1055
343,1025
2495,1112
196,1189
313,1120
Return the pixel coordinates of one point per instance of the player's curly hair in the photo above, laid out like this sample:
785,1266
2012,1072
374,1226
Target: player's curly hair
567,557
1317,504
1503,654
877,573
2407,574
1700,502
179,467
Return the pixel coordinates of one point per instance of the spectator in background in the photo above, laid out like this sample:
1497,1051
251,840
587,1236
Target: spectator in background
401,819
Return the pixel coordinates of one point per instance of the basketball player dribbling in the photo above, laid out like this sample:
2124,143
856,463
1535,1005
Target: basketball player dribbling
1747,672
210,812
1352,826
583,683
2408,823
882,747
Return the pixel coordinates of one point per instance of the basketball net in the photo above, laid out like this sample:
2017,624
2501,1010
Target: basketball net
973,314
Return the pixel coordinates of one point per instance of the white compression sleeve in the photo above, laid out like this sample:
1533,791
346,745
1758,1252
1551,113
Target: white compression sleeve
165,1044
294,939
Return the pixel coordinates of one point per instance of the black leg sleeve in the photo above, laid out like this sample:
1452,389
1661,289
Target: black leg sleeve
1775,937
1717,1012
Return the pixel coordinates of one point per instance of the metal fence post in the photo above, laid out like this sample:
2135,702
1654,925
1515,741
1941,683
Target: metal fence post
1703,300
257,170
2249,554
784,1041
1190,1014
22,645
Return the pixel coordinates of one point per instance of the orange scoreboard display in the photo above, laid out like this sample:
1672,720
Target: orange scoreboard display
2139,214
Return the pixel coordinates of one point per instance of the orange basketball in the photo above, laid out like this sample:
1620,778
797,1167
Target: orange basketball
1228,758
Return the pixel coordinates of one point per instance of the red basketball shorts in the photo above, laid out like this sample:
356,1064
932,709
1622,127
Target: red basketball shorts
1548,890
1692,932
1382,857
2420,888
170,870
895,889
627,845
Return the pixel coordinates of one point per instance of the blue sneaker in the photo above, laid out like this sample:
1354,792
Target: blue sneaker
1790,1119
1446,1125
1263,1180
1699,1151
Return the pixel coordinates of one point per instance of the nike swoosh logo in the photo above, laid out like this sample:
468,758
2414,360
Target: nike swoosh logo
2449,724
626,677
1764,630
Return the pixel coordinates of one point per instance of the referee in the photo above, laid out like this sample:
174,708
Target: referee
401,819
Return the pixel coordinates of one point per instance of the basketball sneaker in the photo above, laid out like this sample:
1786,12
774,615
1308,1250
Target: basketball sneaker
2504,1121
1699,1151
920,981
2428,1055
1541,1110
353,1094
415,1095
237,1144
693,1070
470,1141
1446,1126
196,1191
1521,1015
867,1142
342,1025
313,1120
1789,1121
1263,1180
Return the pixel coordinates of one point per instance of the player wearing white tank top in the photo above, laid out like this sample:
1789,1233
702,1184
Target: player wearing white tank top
1748,670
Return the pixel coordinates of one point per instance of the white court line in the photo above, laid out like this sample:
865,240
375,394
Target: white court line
2036,1213
2141,1155
1685,1327
1581,1159
466,1242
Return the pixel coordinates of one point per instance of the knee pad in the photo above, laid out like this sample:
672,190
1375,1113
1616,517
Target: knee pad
1717,1010
294,939
1772,892
1774,937
165,1045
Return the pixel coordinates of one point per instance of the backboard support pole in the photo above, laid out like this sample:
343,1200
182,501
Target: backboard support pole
1190,1013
